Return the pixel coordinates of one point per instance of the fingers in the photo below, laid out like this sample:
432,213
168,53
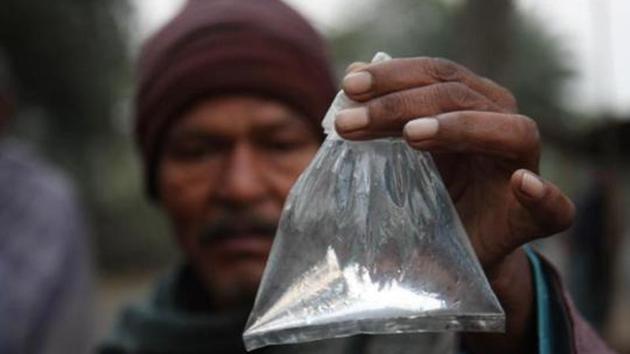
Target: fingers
368,81
356,66
510,136
544,210
386,115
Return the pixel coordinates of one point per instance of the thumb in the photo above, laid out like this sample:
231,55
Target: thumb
544,210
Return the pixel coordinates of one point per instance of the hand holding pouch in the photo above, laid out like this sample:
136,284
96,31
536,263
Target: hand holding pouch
369,242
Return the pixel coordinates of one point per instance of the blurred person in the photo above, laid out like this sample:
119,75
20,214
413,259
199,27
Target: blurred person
594,245
45,277
229,101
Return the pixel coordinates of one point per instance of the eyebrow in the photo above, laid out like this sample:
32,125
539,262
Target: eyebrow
192,134
289,123
284,124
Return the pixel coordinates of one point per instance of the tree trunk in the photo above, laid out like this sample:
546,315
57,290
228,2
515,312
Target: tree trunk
485,36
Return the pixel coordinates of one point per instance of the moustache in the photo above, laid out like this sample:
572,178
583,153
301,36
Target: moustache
231,224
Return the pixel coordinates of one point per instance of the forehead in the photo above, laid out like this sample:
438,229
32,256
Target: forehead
238,114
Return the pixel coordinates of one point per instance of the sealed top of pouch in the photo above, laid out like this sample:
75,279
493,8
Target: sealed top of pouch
342,101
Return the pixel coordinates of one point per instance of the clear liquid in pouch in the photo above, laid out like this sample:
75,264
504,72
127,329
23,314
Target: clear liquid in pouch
369,242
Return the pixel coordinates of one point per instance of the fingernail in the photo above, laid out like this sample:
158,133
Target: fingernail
421,129
356,83
532,185
351,119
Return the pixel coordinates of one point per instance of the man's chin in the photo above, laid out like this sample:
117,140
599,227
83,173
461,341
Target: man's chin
235,284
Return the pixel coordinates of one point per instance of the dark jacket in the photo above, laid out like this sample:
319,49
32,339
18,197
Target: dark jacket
178,319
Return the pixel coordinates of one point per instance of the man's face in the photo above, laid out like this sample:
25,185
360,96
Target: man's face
227,167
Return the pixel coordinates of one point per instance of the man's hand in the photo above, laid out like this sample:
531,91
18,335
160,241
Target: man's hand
488,157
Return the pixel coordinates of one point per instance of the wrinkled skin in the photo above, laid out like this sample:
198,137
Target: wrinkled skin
488,157
232,160
227,167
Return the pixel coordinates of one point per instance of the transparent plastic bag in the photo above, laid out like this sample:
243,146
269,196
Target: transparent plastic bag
369,242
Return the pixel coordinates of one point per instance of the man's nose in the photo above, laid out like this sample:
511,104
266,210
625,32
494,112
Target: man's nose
242,181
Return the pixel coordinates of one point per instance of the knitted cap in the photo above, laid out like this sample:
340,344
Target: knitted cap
219,47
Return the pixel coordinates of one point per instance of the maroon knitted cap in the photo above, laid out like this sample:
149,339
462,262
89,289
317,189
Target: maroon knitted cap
219,47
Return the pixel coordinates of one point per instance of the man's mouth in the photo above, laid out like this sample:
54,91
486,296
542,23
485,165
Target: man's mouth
244,244
239,238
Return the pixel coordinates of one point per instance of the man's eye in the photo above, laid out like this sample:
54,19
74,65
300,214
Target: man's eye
189,152
283,145
192,152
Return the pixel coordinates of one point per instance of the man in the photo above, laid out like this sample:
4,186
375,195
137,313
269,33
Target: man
229,102
45,272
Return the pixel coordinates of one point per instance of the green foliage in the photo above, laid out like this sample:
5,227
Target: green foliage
71,64
401,28
535,69
538,74
70,59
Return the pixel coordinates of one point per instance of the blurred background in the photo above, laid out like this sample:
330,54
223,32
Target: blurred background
566,61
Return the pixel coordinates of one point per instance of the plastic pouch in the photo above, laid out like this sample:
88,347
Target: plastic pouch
369,242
